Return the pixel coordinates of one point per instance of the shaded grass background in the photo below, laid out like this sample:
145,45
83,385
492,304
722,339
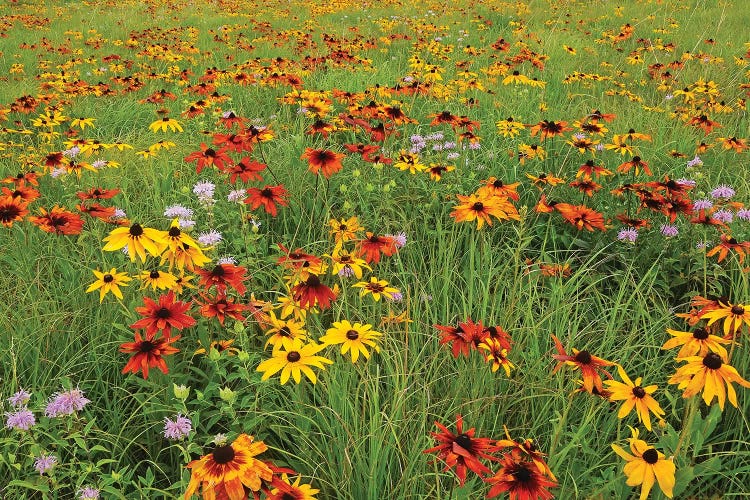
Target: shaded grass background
360,432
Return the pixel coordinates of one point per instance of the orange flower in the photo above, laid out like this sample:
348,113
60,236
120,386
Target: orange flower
322,159
229,469
269,197
59,221
12,209
148,352
480,208
728,244
581,216
586,362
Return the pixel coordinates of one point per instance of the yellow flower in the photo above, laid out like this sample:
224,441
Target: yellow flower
164,124
696,343
294,362
283,332
139,240
645,466
160,280
634,396
733,314
375,287
352,337
347,264
708,373
344,229
109,282
82,123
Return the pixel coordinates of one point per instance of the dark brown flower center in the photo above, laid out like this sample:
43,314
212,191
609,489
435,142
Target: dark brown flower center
136,230
464,442
108,278
712,361
223,454
583,357
639,392
738,310
522,474
174,232
650,456
154,275
700,334
285,332
293,357
266,193
313,281
352,335
163,313
478,206
146,346
218,271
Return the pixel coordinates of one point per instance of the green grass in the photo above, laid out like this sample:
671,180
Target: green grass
360,431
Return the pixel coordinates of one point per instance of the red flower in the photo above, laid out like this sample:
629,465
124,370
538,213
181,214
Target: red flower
97,194
312,292
587,362
465,336
222,275
164,315
462,450
373,245
521,479
322,159
207,157
247,170
59,221
148,352
269,197
220,307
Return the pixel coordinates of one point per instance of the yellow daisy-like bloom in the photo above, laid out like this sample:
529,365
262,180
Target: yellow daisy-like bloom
410,162
347,264
139,240
344,229
157,280
283,332
296,491
732,314
376,288
175,237
294,362
708,373
496,354
109,282
165,123
695,343
185,257
647,465
509,127
353,338
82,123
480,208
287,306
226,471
634,396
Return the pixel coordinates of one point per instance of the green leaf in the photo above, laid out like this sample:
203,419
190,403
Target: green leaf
703,427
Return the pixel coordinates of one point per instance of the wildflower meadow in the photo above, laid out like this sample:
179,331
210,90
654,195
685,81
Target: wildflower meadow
365,250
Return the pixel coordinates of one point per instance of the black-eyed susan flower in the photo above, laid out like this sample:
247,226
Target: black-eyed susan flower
323,160
635,396
165,123
733,315
229,469
589,365
528,448
58,221
373,245
520,478
347,264
138,240
295,361
163,315
353,337
12,209
646,466
497,354
377,288
282,332
344,230
696,343
480,208
220,306
709,374
109,282
157,280
312,292
148,353
462,450
285,490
